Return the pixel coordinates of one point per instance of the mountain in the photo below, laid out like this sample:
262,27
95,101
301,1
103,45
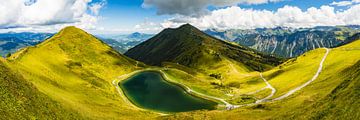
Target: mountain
139,36
122,43
351,39
287,42
188,46
76,70
118,46
11,42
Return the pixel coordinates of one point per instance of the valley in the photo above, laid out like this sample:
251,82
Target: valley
184,74
180,60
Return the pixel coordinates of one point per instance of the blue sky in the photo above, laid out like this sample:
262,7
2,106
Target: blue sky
125,14
151,16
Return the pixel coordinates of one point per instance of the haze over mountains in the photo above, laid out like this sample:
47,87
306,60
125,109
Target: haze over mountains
287,42
122,43
11,42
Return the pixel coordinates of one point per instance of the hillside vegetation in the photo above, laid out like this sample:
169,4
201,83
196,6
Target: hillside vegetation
333,95
76,69
72,76
21,100
191,47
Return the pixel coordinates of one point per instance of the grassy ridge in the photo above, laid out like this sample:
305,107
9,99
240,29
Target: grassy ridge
76,69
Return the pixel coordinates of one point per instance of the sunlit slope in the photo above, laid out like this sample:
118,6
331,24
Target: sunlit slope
21,100
295,72
333,95
76,69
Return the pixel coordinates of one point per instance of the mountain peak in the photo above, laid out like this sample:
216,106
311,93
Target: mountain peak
135,34
184,29
187,26
71,29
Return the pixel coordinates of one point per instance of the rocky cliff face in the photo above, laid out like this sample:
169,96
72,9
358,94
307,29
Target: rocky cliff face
287,42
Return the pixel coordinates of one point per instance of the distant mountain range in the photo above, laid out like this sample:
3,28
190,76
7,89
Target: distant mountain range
283,42
122,43
287,42
10,42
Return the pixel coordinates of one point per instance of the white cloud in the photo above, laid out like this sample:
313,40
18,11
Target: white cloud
194,7
287,16
345,3
38,13
147,26
356,1
95,7
342,3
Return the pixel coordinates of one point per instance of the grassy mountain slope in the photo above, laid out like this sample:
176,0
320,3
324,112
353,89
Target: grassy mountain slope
333,95
21,100
76,69
189,46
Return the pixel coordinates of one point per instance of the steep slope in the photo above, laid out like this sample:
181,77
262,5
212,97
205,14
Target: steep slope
21,100
190,47
76,69
341,103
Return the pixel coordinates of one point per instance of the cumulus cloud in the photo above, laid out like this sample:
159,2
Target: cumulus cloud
287,16
31,13
194,7
344,3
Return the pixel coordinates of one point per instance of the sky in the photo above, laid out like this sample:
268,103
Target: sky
151,16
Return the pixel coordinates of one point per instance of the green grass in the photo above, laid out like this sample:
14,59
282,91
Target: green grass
76,70
294,72
72,73
334,95
21,100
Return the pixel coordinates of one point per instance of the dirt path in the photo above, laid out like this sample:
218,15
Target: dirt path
308,82
273,90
